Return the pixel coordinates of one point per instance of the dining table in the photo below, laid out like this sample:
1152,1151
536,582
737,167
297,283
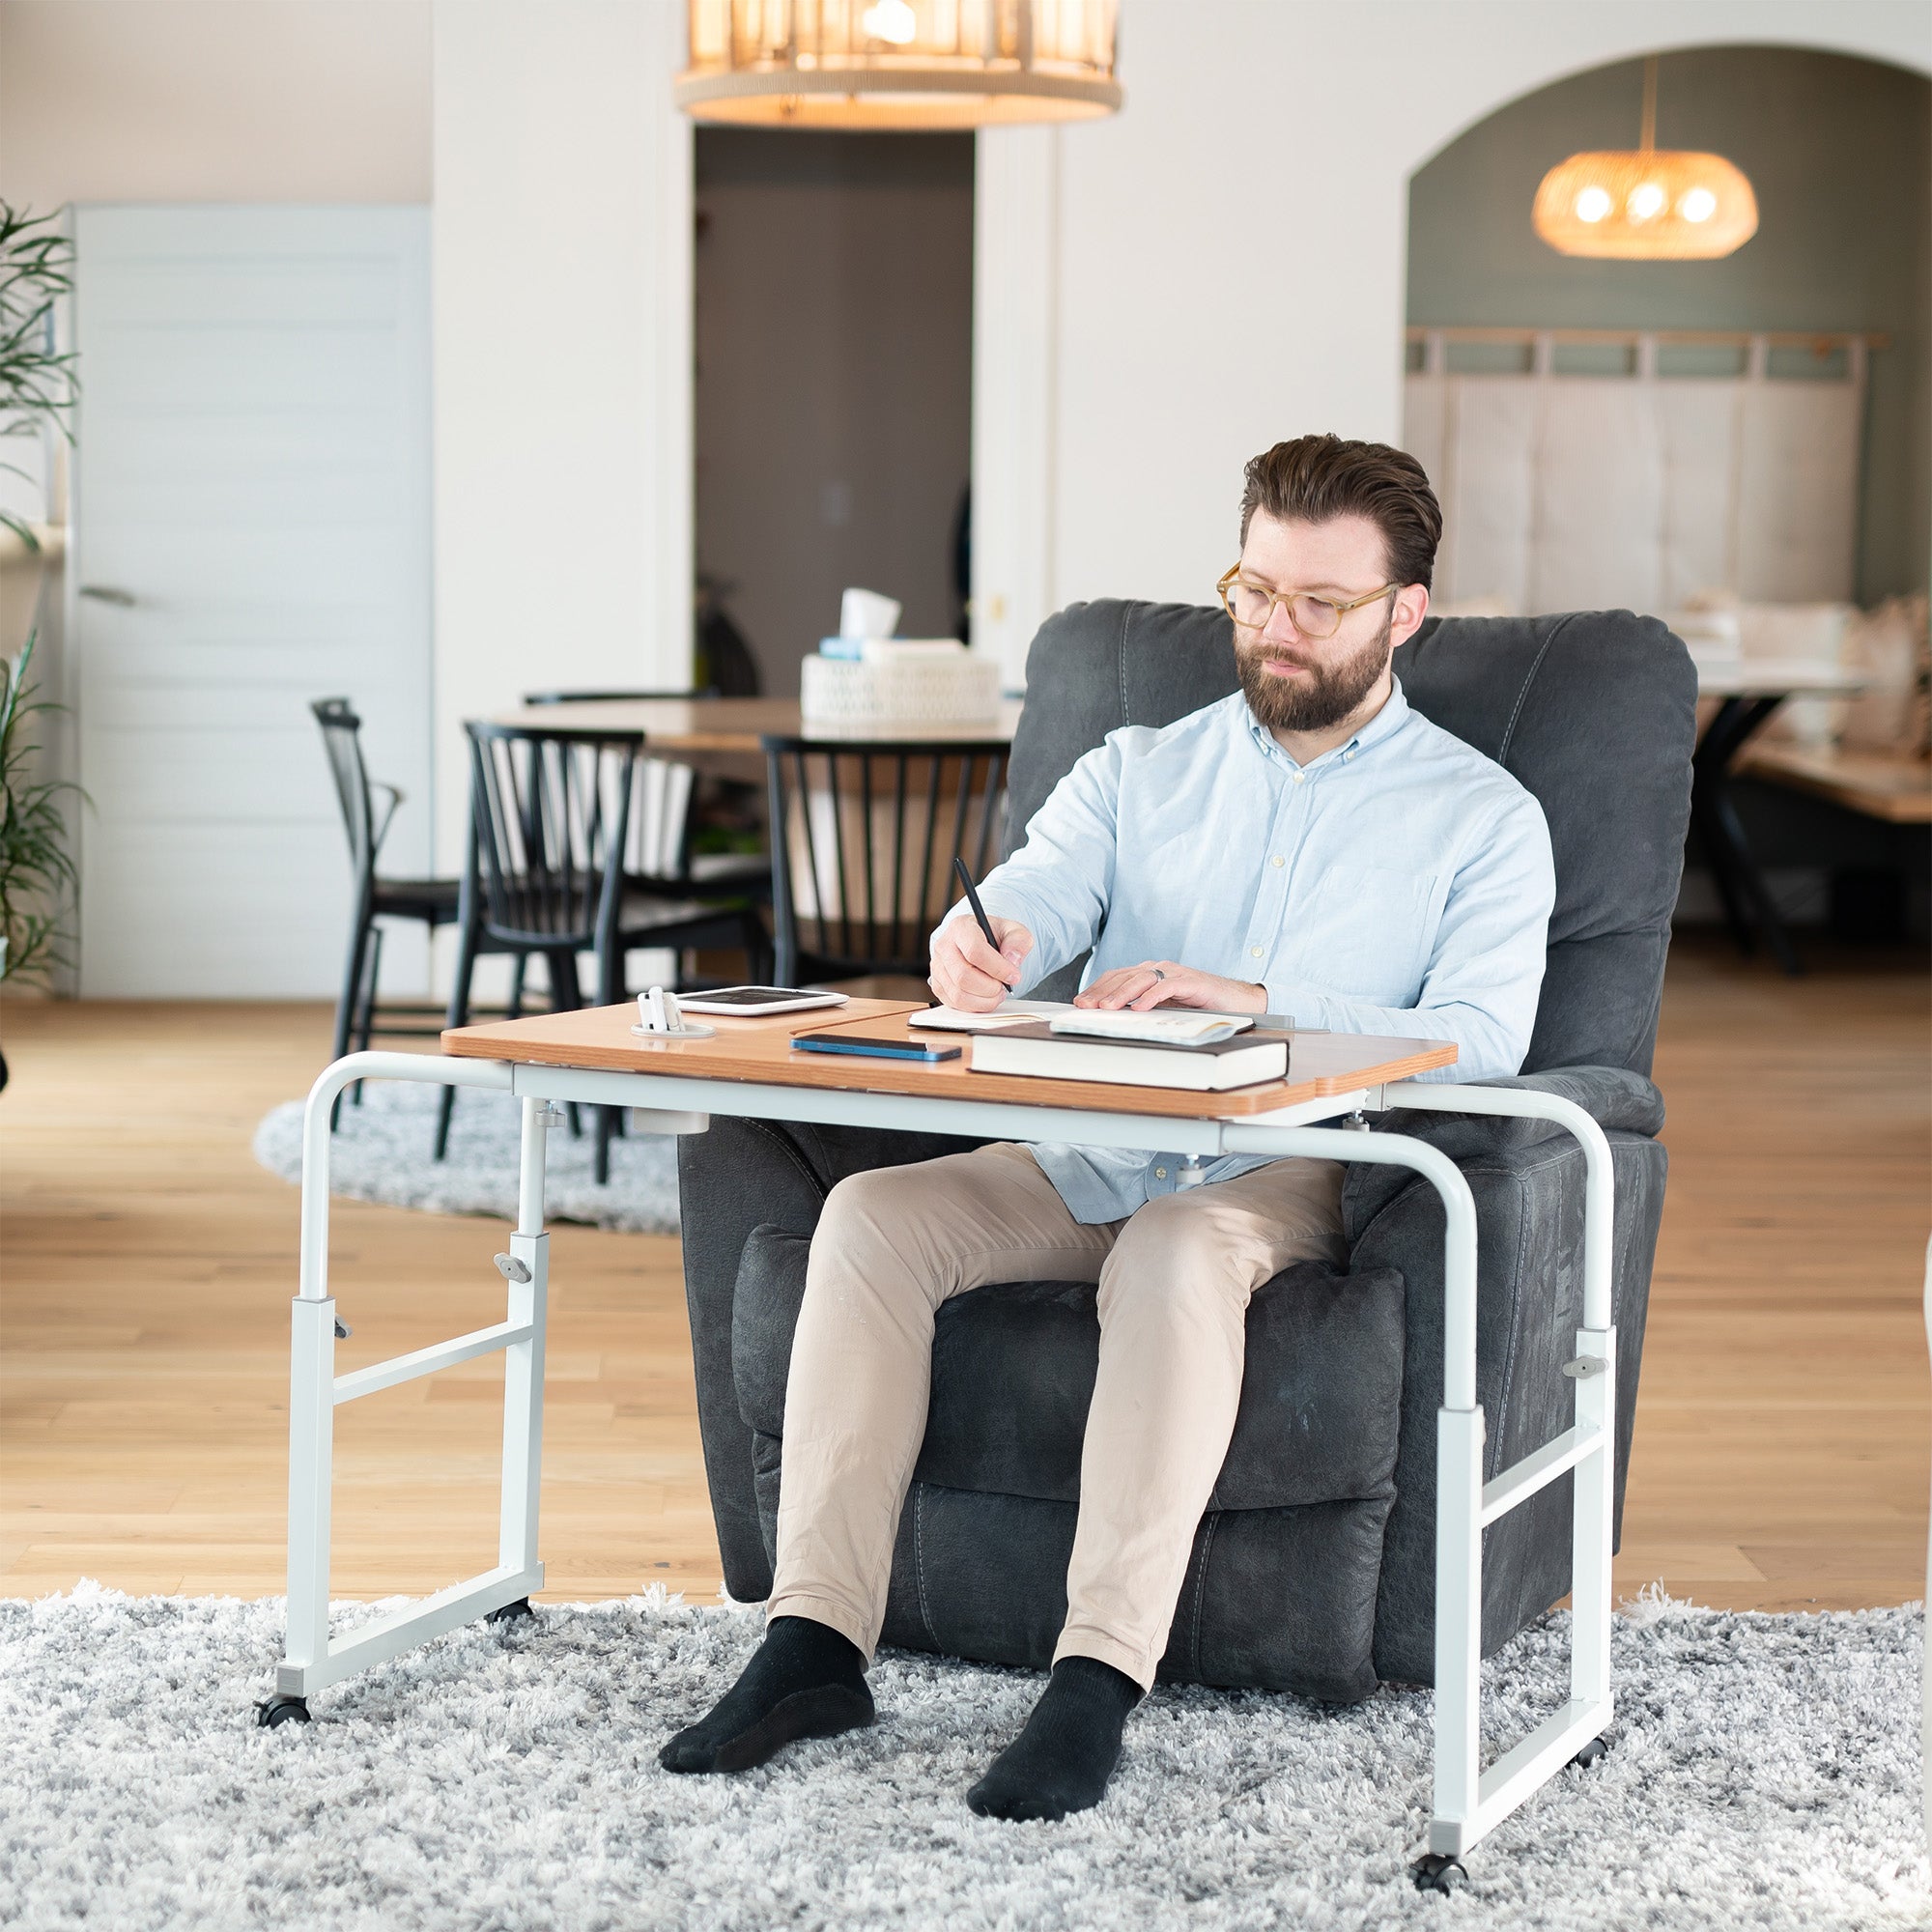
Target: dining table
713,733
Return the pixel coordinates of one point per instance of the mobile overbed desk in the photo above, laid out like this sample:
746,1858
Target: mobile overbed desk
749,1069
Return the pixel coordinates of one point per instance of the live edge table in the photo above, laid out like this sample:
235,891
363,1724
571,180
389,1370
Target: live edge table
751,1069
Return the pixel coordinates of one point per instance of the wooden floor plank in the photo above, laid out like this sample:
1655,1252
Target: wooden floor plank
146,1265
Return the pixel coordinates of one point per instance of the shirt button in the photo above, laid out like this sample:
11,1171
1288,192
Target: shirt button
1279,859
1254,952
1347,756
1301,777
1160,1174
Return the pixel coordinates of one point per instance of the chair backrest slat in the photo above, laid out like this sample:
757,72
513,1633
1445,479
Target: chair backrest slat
863,834
550,810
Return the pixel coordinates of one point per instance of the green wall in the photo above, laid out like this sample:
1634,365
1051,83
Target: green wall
1839,152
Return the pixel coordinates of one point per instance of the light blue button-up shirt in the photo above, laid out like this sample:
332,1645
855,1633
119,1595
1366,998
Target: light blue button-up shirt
1399,884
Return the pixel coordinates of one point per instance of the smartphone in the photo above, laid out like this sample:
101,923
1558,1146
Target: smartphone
874,1049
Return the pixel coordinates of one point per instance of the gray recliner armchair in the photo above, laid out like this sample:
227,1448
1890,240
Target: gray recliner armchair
1313,1570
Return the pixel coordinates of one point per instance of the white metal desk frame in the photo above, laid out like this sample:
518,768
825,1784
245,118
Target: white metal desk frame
1468,1802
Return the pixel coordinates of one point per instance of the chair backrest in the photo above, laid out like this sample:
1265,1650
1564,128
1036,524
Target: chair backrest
864,832
342,740
1594,713
660,828
550,812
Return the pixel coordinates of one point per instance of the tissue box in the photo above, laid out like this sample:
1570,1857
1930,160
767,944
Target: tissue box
903,692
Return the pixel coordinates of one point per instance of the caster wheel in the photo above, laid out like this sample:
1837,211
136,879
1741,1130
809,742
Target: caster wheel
1592,1753
274,1711
510,1614
1437,1873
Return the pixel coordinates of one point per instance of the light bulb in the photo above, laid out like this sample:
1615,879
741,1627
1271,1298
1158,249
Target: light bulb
1593,203
890,20
1646,200
1699,205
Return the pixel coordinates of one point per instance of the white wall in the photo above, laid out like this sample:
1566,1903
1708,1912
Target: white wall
563,359
1277,135
174,101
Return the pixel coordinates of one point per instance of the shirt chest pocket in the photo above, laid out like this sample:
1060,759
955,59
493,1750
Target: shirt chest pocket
1371,931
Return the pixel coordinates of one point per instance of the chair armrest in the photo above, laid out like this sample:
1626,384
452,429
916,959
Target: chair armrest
1617,1100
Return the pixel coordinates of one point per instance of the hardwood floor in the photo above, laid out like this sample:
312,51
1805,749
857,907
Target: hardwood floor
146,1263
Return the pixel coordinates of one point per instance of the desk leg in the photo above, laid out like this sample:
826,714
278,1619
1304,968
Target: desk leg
524,1361
1459,1630
311,1661
311,1459
1741,886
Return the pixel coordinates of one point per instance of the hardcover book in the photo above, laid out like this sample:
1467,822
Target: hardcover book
1213,1067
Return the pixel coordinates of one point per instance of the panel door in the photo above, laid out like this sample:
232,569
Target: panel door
251,531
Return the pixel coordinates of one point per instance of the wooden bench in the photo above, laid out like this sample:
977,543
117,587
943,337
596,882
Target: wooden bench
1882,784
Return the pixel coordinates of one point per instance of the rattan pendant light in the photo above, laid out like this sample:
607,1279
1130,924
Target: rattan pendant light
899,64
1646,203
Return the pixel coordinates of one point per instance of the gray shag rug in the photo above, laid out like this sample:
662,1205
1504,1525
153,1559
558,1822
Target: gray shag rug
384,1148
1764,1773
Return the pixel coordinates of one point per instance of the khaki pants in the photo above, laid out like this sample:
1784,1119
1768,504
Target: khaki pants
1175,1279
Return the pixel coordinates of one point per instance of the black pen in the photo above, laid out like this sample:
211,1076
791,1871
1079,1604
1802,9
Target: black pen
973,900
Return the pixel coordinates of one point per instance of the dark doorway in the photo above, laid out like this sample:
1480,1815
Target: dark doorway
834,338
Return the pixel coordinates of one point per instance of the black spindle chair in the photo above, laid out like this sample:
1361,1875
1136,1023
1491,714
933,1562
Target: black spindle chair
433,902
551,817
662,854
864,832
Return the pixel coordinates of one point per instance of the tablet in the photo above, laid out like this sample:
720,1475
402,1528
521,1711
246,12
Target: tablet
741,1001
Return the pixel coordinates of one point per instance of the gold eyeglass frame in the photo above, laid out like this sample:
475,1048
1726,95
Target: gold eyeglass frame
1277,597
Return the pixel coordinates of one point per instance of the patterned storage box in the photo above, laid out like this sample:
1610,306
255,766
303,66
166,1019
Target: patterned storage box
879,700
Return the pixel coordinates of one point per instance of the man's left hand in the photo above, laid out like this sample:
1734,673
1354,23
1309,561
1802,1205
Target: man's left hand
1162,982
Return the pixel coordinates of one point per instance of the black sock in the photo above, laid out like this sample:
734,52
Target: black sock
803,1681
1061,1762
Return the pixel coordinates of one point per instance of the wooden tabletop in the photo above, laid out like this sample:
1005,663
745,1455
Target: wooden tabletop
724,724
1319,1063
1882,784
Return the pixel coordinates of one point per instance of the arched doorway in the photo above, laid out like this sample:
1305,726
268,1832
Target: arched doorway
1811,483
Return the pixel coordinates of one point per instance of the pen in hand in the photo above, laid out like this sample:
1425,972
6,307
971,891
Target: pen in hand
973,900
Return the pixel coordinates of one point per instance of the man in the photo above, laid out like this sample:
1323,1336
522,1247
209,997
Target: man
1307,846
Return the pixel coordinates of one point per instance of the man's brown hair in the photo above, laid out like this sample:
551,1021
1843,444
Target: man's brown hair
1314,478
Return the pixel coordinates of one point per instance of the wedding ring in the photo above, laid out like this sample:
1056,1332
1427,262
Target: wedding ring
1158,974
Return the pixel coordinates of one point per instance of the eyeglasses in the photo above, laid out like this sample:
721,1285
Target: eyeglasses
1252,605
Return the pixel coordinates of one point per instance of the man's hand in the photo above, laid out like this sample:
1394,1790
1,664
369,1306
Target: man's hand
967,972
1162,982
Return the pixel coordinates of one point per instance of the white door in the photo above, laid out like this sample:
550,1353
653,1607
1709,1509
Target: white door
250,532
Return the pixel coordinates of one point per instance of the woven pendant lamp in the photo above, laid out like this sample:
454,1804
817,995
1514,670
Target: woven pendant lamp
1646,203
899,64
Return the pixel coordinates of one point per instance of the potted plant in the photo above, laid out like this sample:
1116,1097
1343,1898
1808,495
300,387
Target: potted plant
38,879
37,382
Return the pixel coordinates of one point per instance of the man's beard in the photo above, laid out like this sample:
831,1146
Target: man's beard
1322,695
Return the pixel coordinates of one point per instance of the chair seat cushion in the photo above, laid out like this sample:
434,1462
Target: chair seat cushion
419,898
1014,1368
1281,1583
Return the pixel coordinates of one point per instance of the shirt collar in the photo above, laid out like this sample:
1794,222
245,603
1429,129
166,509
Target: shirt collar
1386,723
